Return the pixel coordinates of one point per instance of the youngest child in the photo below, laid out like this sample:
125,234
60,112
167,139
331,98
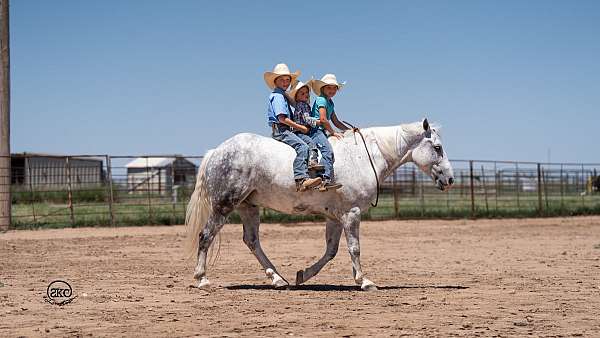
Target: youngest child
299,96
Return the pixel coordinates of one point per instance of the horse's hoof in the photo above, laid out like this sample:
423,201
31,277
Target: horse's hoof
299,277
279,284
204,284
367,285
276,280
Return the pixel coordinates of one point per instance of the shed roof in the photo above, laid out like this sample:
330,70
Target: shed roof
49,155
150,162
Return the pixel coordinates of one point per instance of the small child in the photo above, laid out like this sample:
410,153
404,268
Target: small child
299,96
278,115
323,109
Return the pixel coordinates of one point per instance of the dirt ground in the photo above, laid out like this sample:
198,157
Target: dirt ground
521,277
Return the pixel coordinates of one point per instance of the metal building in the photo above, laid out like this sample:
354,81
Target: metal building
159,174
48,171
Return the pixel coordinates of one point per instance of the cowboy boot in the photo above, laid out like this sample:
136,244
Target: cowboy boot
302,185
328,184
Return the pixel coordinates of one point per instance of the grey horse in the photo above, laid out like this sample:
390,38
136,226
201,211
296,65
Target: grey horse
248,171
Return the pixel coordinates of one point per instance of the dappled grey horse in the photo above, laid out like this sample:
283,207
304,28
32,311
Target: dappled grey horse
248,171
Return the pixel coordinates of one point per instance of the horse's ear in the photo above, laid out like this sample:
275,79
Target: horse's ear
425,125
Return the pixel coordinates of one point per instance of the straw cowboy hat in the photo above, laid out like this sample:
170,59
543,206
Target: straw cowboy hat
327,79
295,87
279,70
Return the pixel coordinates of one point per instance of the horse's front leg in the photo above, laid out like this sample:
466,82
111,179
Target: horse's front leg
351,224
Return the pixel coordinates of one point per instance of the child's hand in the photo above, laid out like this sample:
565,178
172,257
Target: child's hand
304,129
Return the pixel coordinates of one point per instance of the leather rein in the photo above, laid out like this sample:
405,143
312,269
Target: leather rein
356,130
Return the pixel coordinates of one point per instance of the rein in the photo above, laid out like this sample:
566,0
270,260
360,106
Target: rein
356,130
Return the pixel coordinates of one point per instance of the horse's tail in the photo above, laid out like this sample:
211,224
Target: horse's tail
198,209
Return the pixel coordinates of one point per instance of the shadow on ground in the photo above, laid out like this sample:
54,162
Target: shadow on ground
325,287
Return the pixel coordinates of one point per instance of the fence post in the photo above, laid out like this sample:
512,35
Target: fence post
70,190
496,175
539,179
487,209
5,171
472,189
150,218
173,190
394,186
518,190
30,183
562,191
110,190
584,184
462,183
545,183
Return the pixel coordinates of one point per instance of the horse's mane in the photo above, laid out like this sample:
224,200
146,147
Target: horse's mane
388,137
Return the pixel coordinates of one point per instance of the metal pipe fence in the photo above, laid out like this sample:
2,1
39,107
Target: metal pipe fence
90,190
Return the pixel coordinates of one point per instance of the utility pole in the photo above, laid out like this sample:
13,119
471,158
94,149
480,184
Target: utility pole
5,198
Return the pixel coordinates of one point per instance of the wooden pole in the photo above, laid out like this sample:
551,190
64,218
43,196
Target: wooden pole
5,196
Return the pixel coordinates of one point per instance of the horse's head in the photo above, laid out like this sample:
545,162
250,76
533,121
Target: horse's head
430,156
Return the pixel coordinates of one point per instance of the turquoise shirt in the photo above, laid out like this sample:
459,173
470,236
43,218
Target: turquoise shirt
322,102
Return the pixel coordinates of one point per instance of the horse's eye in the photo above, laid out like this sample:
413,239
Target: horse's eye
437,148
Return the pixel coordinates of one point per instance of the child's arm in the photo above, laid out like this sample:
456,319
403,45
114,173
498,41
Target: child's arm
311,121
325,123
280,106
287,121
337,122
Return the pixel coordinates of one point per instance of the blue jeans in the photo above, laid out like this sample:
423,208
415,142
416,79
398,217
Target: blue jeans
314,153
318,136
301,148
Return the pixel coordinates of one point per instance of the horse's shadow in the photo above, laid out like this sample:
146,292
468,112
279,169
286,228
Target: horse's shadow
327,287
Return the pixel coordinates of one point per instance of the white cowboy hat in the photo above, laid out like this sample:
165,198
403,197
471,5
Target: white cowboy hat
327,79
295,87
279,70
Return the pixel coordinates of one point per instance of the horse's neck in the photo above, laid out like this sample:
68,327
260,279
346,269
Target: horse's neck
394,144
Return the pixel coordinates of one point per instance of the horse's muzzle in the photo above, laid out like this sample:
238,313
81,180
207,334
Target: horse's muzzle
442,183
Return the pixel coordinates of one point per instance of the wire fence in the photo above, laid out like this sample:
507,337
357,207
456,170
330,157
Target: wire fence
90,190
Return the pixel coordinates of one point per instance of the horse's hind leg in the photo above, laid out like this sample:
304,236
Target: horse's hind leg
211,229
333,232
250,216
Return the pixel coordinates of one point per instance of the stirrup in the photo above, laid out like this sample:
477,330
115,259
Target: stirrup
329,186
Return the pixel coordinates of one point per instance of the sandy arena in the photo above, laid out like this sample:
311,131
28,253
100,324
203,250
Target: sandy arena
535,277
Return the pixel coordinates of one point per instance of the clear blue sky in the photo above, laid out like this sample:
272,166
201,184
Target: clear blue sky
506,79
